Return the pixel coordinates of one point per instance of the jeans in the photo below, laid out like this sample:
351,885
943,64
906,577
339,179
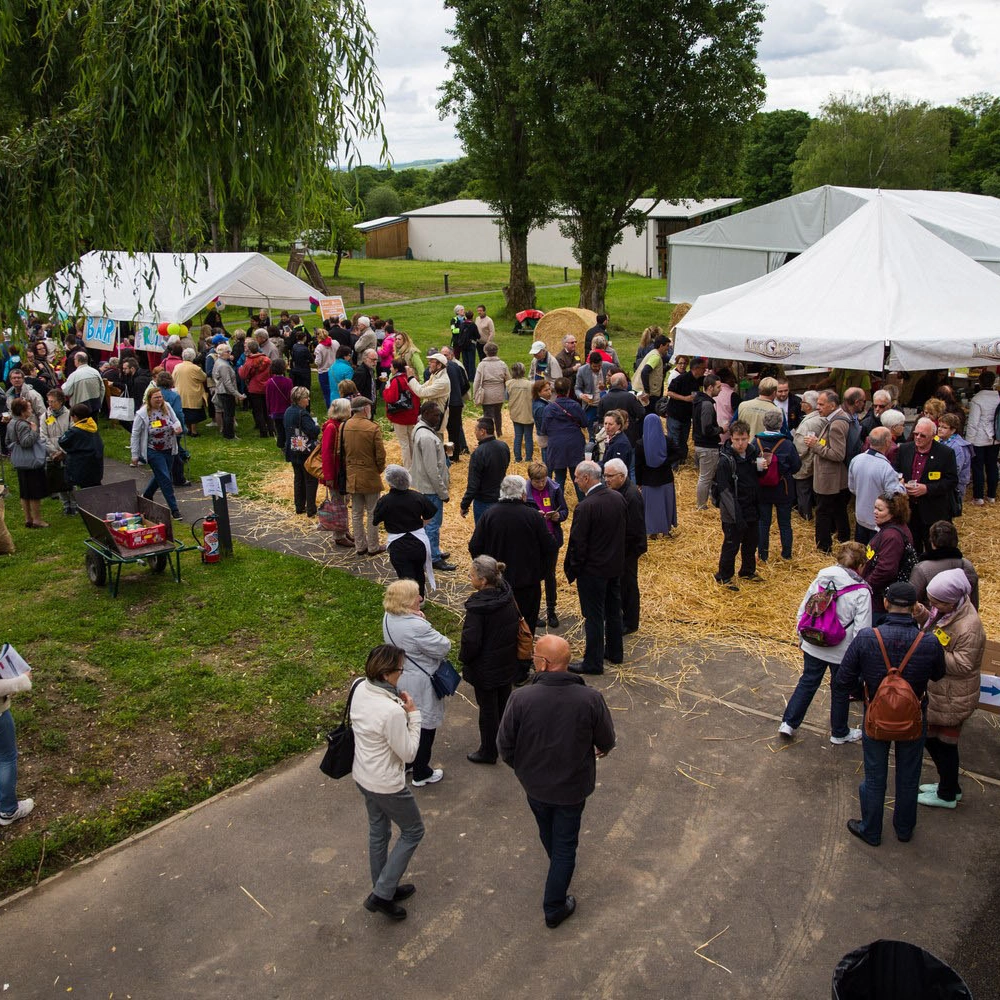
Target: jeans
523,432
813,669
559,832
324,387
592,416
945,757
491,702
360,503
871,792
742,540
784,514
862,534
706,461
831,513
433,526
495,412
559,475
160,464
384,809
480,507
679,428
601,607
8,764
984,470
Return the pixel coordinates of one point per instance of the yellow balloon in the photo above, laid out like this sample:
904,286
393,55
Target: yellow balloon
184,330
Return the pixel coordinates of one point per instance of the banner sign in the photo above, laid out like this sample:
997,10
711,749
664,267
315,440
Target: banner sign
332,307
100,333
147,338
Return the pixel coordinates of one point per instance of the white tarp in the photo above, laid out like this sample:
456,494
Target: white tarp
167,287
750,244
878,277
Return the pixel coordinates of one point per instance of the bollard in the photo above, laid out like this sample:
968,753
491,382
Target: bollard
445,282
361,292
565,274
612,270
220,505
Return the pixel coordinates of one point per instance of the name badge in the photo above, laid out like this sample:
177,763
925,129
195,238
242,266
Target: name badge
870,552
933,475
156,423
942,636
822,442
50,420
546,501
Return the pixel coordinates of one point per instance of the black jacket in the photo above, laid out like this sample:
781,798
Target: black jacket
487,467
794,417
365,380
548,734
84,463
736,479
597,538
635,520
489,637
622,399
514,533
459,384
705,428
940,476
466,335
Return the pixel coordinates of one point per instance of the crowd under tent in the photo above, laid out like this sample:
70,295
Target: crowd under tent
880,279
730,251
468,230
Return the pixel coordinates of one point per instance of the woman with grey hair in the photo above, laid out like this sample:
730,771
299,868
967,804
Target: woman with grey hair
777,487
190,382
404,512
896,422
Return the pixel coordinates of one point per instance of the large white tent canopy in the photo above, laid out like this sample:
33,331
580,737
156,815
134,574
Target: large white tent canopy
166,287
741,247
879,278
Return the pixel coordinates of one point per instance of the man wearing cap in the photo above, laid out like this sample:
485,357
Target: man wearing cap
364,456
436,389
456,404
863,660
543,364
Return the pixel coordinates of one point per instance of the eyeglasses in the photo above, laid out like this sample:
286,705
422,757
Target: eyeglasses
538,656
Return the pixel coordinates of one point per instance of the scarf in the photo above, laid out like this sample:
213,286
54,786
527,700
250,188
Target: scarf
950,587
654,441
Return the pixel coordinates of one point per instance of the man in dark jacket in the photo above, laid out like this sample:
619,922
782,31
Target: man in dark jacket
514,533
616,476
551,734
707,436
366,377
619,397
931,468
595,560
864,660
681,395
738,494
464,338
487,467
459,388
600,330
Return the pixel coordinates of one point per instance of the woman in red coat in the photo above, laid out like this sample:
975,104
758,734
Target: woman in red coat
333,468
402,408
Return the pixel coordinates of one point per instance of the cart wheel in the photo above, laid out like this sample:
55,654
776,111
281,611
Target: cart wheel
158,563
97,571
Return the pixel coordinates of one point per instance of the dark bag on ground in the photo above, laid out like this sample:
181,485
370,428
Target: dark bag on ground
339,757
896,970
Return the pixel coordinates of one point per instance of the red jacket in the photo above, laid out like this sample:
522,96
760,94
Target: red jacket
330,451
255,371
391,395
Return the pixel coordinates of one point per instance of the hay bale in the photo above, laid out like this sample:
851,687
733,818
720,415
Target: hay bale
554,325
680,311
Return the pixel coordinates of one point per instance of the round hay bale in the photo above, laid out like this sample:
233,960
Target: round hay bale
554,325
680,311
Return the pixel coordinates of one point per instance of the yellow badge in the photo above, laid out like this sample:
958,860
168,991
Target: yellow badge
942,636
822,442
50,420
156,423
933,475
546,501
870,552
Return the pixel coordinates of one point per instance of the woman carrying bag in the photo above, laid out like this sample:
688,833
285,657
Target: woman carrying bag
334,470
301,435
27,455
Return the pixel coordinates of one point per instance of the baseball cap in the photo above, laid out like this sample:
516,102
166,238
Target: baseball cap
538,345
439,358
903,595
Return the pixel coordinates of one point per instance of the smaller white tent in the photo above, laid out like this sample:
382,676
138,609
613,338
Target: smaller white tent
166,287
879,277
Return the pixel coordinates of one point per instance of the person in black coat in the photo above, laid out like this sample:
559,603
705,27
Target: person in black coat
595,560
404,512
456,402
550,500
366,377
514,532
489,649
487,467
616,476
301,359
619,397
616,443
789,404
933,470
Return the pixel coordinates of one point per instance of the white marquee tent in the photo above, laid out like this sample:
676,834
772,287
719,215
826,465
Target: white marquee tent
166,287
736,249
879,278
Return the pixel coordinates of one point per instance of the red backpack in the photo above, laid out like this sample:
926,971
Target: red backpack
893,713
771,476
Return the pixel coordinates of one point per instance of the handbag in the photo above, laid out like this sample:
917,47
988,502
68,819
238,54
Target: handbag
121,408
34,457
444,680
339,757
525,640
332,513
314,463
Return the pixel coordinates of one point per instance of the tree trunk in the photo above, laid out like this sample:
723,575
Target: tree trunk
213,214
336,261
520,291
593,286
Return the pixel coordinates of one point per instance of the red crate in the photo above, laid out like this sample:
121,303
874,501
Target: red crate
138,538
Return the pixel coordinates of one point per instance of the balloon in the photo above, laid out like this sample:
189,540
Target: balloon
174,330
162,329
184,330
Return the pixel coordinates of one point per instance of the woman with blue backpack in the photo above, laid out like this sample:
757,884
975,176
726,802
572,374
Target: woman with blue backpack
837,605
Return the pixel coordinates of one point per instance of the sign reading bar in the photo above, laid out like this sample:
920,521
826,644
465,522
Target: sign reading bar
100,333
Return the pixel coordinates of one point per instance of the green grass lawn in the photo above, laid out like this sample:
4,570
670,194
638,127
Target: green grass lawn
149,702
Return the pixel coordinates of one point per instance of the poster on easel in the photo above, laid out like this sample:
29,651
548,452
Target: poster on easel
100,333
332,307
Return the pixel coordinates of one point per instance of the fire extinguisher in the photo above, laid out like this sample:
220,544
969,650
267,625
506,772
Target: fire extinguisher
209,542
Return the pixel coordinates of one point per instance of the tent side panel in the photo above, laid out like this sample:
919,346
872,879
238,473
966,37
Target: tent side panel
695,270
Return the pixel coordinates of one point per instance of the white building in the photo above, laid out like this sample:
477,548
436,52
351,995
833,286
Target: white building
467,230
731,251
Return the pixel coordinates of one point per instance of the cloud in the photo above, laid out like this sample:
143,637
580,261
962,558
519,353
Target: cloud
903,20
796,30
963,44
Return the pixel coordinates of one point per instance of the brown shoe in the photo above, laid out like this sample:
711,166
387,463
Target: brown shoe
344,542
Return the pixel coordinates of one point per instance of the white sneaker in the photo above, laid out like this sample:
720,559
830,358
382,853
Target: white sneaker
980,503
436,775
24,807
786,730
853,735
991,499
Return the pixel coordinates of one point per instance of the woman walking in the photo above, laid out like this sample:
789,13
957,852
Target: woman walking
155,431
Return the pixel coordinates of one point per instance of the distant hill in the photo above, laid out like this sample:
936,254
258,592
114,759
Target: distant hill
421,164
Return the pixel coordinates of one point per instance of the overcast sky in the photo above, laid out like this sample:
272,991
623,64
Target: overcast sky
933,50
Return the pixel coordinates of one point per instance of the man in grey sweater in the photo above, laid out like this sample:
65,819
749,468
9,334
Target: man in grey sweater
430,476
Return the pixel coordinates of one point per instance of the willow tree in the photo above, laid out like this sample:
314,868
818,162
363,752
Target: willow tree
638,95
167,108
493,91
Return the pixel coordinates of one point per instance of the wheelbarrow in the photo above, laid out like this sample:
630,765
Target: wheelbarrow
105,557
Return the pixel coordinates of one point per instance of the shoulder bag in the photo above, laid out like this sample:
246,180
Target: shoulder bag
444,680
339,757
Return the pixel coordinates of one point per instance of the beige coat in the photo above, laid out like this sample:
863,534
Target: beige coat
519,401
951,700
490,384
190,383
752,412
829,470
811,423
436,388
364,453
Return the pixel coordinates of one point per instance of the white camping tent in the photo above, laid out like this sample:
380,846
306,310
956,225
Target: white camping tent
166,287
878,278
729,251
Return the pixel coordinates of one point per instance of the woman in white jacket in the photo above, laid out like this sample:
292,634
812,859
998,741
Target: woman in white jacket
404,625
854,610
386,725
979,433
11,808
155,431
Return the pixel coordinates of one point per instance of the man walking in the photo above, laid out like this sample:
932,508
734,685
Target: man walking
487,467
552,731
616,476
595,560
899,642
431,477
869,477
